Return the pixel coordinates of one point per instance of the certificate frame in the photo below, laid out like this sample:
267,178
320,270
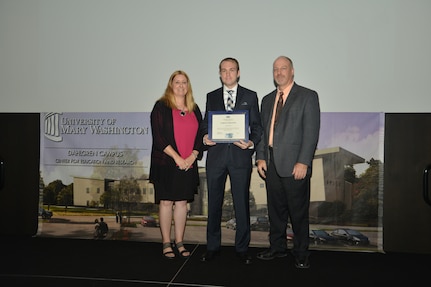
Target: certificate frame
228,127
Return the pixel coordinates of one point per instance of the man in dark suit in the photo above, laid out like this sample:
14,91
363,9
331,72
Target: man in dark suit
284,159
233,159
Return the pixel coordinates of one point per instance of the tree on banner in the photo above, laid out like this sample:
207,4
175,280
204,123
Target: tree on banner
116,168
124,194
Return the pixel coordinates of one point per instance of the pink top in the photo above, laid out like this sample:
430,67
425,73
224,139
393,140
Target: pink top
185,130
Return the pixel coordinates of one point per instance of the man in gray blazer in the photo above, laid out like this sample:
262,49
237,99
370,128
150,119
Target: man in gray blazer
284,159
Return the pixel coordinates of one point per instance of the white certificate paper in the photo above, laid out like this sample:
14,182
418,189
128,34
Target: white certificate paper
228,127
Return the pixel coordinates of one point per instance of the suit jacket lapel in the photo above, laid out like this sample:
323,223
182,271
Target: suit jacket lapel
220,100
291,97
239,96
271,109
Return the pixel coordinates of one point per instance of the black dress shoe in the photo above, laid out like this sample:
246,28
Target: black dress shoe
271,254
244,258
302,263
209,255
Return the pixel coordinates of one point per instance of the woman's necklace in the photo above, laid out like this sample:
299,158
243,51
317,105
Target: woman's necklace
182,110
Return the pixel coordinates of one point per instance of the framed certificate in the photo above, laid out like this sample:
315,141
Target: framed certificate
228,127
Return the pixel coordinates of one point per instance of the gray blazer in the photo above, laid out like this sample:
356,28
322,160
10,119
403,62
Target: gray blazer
297,133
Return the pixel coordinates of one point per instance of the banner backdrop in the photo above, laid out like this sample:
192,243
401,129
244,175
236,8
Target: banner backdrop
97,164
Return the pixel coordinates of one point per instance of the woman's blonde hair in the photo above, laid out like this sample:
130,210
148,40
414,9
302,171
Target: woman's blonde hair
168,97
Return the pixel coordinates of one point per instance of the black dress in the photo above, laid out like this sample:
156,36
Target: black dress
171,183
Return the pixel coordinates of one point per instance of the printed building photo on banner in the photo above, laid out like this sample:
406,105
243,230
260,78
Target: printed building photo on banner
94,170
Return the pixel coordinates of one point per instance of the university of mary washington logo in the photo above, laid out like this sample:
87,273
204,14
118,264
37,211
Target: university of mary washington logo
58,124
52,127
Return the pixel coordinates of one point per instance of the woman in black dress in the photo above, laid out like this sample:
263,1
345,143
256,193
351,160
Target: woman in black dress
177,145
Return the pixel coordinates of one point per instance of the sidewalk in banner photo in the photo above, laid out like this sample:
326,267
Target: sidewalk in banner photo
82,227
